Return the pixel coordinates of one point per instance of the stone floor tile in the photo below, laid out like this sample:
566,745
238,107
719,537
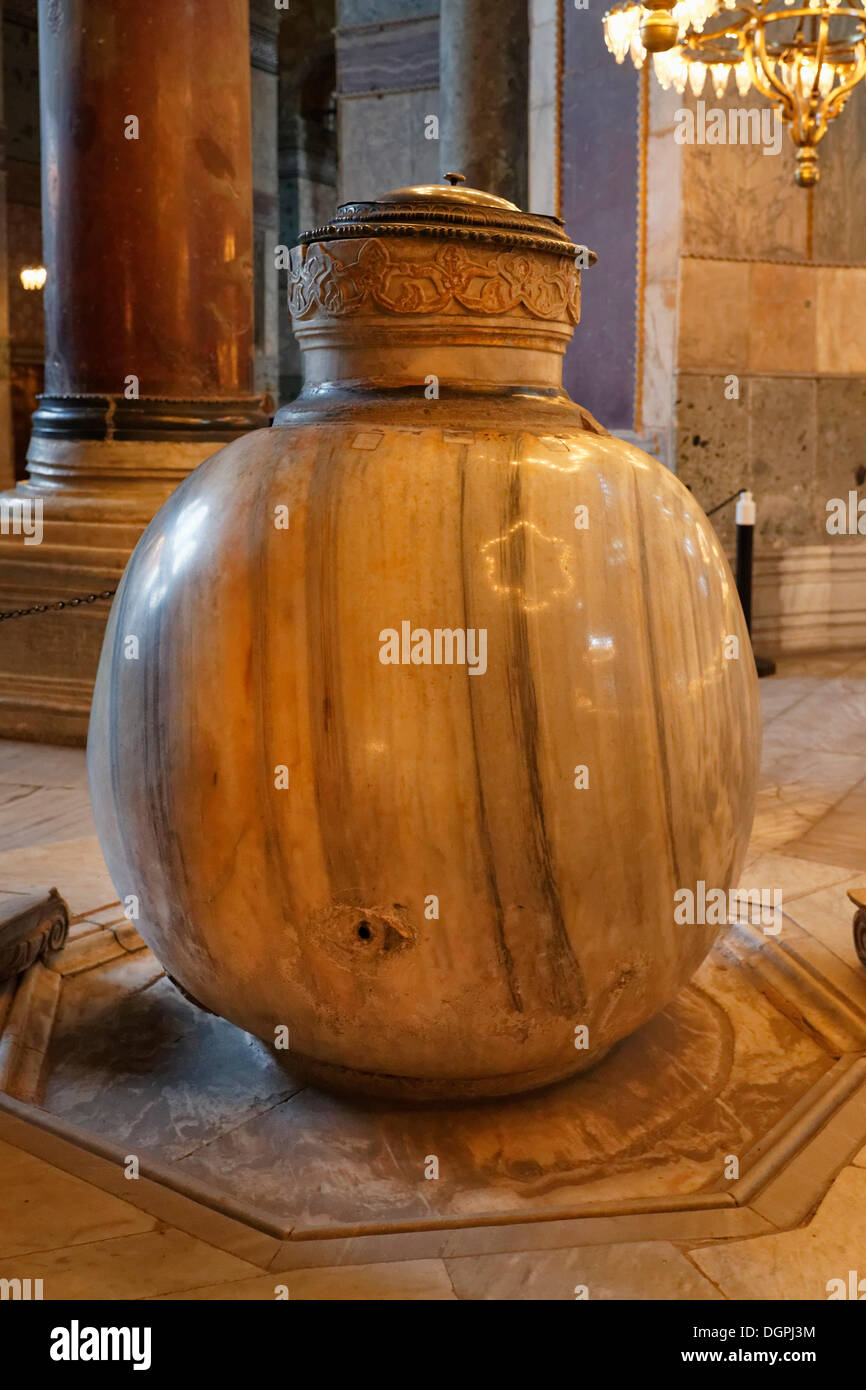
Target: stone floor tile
839,837
794,876
134,1266
406,1280
778,695
42,1208
75,867
648,1270
798,789
828,915
45,815
43,765
805,724
800,1263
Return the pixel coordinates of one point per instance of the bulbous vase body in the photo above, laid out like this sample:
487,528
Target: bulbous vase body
414,714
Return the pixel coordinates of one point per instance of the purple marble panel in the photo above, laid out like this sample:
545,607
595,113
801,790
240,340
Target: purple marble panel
391,58
599,197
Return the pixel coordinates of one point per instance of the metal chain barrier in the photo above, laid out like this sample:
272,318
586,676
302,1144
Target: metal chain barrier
53,607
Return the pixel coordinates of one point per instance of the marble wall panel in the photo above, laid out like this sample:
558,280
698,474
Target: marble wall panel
839,224
714,314
841,455
382,143
355,12
542,11
664,186
542,61
599,193
783,445
659,378
390,57
768,441
661,270
737,201
542,105
713,444
542,148
387,85
841,319
757,298
782,311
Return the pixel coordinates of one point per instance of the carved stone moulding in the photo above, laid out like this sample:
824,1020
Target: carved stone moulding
35,930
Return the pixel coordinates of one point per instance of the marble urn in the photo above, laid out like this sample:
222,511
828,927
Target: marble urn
418,710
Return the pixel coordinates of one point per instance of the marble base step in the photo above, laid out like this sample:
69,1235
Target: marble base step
729,1114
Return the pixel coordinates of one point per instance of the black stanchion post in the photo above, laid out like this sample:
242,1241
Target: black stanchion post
745,519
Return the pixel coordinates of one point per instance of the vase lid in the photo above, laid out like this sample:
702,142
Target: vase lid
451,210
454,191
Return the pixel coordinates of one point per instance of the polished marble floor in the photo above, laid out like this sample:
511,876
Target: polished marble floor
809,839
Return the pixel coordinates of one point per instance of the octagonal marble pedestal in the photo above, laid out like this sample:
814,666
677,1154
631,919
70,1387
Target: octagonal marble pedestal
762,1060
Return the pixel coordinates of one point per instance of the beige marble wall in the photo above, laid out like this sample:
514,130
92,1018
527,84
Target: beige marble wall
383,145
542,105
737,201
770,354
663,242
766,317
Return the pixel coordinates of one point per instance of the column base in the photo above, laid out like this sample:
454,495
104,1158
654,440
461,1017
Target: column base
94,497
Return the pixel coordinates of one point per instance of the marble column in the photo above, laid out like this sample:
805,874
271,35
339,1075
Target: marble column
7,460
484,94
148,245
22,223
147,233
307,146
264,64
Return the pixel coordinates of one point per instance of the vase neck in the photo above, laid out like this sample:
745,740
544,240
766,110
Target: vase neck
403,310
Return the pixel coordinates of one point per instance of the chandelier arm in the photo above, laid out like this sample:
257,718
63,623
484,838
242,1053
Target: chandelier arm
814,107
809,13
820,48
841,94
766,81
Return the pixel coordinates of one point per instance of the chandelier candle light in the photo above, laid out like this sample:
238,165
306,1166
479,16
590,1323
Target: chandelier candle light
805,59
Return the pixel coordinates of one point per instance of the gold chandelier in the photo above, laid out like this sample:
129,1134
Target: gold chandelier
806,59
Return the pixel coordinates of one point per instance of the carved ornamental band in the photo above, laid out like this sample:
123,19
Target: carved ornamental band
483,283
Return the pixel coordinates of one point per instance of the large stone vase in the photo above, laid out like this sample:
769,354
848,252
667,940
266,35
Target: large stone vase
418,711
